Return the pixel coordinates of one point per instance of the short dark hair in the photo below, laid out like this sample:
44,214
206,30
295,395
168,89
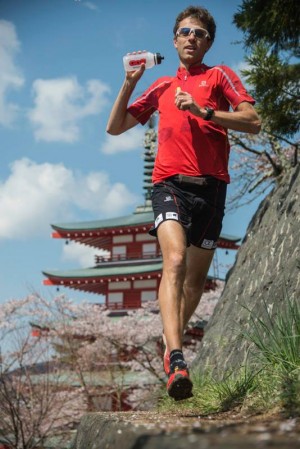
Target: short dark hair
197,12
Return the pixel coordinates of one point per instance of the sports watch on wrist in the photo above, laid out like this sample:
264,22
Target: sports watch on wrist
210,113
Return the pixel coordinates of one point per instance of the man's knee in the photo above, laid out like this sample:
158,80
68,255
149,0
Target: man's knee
175,262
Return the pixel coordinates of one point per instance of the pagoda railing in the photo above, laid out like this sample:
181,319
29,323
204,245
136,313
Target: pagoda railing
122,306
123,257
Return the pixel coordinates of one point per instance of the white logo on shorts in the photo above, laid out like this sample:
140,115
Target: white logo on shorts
208,244
168,198
158,220
171,216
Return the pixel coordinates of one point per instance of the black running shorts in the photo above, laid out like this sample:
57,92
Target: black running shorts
198,208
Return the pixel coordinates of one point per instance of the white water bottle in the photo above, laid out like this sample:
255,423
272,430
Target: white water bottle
134,61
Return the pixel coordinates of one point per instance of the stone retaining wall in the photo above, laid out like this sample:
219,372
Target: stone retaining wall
266,271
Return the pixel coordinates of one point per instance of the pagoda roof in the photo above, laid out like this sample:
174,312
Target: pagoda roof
94,280
140,221
100,379
127,220
106,271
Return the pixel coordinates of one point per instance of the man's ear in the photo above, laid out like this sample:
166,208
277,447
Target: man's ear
209,44
175,42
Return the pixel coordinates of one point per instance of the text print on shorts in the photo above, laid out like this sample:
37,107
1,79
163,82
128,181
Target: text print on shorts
209,244
158,220
171,216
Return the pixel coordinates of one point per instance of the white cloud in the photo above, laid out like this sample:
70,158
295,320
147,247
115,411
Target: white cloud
90,5
35,195
61,103
10,76
96,194
129,141
83,255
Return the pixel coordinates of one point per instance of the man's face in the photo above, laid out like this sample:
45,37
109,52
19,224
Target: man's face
191,49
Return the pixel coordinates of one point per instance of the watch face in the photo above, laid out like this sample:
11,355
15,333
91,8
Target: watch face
210,113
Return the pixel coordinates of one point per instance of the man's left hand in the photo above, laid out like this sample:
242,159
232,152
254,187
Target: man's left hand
185,102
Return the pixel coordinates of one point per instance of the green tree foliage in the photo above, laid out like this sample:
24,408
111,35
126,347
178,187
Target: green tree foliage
274,21
271,30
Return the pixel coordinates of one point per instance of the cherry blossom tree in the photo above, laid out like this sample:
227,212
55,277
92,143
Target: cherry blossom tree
128,346
34,405
49,380
257,163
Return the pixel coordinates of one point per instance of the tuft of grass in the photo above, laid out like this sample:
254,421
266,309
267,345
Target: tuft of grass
233,390
290,393
271,380
214,396
277,338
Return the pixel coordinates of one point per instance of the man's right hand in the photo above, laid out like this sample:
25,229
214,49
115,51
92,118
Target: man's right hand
134,76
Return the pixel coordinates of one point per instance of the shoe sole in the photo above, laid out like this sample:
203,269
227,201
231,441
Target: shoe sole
181,389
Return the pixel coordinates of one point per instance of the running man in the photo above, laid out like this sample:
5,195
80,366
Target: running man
196,108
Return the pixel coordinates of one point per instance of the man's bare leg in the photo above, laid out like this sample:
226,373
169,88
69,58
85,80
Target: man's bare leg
172,241
197,266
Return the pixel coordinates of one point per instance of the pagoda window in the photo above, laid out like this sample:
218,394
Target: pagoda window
149,249
119,285
119,252
144,237
148,283
115,298
122,239
149,295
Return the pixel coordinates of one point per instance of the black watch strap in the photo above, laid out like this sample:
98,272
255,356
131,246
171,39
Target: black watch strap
210,113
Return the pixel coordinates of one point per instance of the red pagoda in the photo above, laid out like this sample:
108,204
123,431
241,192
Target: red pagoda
131,273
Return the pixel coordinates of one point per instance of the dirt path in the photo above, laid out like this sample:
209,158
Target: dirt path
154,430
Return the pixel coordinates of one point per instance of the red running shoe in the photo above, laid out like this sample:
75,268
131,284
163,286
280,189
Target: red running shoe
179,385
167,362
166,358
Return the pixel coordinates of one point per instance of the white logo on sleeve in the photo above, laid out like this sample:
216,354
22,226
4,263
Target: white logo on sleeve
171,216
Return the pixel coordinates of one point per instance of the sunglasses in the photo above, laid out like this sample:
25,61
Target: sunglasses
199,33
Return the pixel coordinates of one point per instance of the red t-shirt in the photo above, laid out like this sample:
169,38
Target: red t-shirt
188,144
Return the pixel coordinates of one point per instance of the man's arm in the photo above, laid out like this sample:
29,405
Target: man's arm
244,118
120,120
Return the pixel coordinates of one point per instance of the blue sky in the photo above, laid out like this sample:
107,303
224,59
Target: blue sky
60,71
